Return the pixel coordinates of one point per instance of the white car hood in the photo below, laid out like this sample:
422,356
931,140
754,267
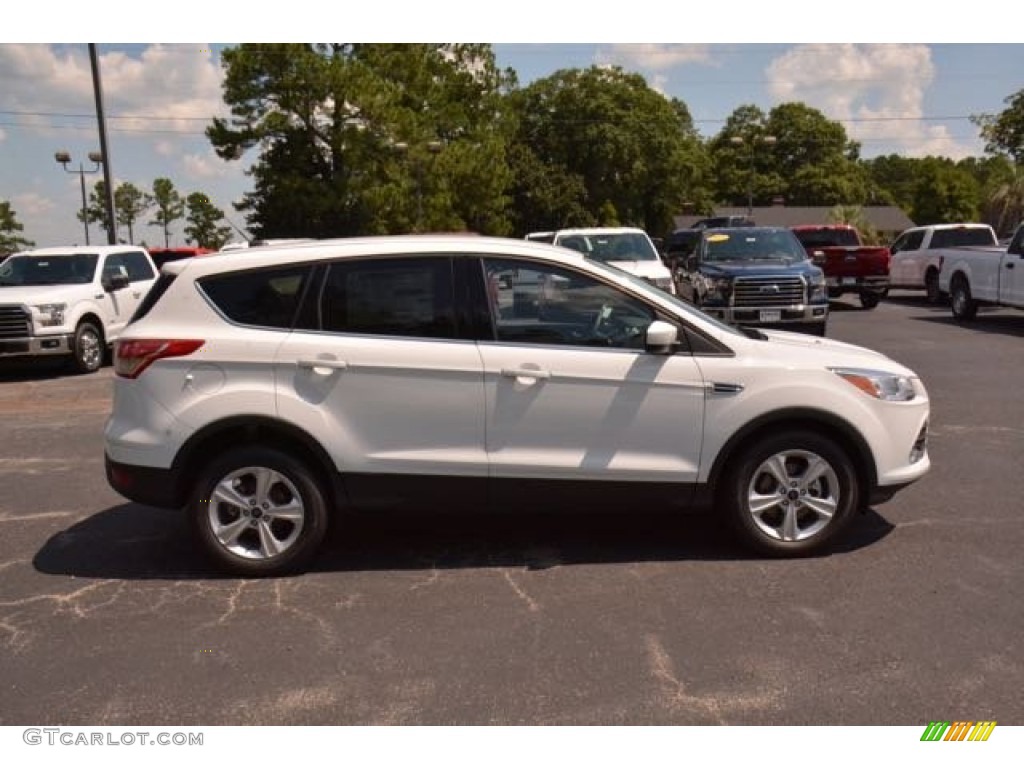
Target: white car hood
649,268
829,352
43,294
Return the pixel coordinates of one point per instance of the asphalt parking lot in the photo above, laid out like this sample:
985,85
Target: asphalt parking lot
107,616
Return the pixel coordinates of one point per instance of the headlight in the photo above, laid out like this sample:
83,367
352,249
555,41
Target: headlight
879,384
817,288
665,283
718,287
51,314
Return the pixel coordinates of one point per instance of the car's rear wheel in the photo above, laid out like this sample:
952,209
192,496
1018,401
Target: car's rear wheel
259,512
964,307
870,299
931,287
791,494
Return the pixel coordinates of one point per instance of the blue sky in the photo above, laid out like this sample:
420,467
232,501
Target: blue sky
908,98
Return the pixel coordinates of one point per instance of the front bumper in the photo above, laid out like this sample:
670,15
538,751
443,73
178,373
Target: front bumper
32,346
800,313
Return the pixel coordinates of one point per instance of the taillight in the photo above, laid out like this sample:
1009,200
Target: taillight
133,356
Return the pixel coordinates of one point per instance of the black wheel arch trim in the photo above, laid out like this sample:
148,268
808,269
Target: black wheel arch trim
796,418
187,464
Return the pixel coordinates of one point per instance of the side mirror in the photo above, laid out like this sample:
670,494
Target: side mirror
661,338
115,282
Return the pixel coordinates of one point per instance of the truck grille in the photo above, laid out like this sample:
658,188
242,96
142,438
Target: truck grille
14,322
768,291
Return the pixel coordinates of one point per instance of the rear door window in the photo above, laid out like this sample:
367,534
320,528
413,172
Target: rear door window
267,298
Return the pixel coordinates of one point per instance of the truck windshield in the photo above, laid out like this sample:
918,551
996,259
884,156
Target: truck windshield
58,269
616,246
752,245
826,238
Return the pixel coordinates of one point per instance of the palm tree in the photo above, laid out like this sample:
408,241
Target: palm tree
1004,208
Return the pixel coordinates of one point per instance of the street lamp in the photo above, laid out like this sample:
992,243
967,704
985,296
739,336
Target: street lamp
433,147
64,158
739,141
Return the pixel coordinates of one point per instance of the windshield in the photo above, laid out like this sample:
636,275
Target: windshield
826,238
752,245
614,246
685,309
58,269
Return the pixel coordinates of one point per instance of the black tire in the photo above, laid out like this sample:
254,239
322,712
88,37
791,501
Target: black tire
869,299
931,287
835,293
964,307
255,530
87,348
799,529
816,329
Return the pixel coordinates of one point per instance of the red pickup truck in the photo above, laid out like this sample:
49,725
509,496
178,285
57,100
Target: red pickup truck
848,264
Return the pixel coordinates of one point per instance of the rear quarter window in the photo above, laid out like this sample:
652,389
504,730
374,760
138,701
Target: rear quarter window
268,298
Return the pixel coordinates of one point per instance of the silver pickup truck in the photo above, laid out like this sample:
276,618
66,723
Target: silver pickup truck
977,277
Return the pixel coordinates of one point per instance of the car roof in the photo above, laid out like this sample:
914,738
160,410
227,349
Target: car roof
359,247
73,250
599,231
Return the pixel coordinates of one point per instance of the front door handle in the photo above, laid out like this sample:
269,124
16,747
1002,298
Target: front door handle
525,373
323,367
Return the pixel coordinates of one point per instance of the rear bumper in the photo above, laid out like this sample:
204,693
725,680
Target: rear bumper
151,486
876,284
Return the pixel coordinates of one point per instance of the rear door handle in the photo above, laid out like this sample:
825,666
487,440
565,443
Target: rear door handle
525,373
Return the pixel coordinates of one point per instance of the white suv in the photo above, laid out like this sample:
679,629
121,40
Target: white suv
266,390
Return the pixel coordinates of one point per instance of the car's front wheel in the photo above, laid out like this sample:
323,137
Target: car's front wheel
870,299
87,348
259,512
791,494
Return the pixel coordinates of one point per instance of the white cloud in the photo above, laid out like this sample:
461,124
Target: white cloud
877,91
164,148
32,204
173,88
654,57
207,166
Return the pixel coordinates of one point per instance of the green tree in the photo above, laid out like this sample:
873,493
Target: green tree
944,193
853,215
130,203
1004,133
96,209
793,152
10,240
169,207
328,120
203,227
601,137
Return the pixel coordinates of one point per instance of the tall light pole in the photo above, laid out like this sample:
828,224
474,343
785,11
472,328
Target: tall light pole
433,147
739,141
63,157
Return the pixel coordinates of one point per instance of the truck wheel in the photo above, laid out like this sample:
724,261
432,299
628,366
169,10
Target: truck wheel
870,300
931,287
791,493
259,512
87,348
817,329
964,307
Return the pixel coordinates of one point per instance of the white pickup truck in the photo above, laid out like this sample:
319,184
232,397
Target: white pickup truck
977,277
71,301
918,252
